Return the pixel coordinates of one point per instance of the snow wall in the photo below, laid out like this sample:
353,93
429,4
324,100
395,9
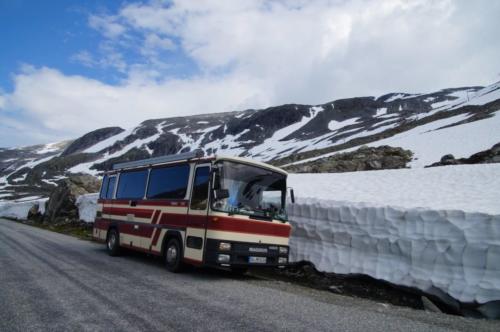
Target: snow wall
457,252
19,209
86,204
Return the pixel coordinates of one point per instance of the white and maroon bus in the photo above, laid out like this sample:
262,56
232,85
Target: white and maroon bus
215,211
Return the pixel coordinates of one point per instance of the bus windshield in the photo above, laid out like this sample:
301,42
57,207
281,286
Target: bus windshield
253,191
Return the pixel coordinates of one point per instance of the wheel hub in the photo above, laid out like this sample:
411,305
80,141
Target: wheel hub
111,241
171,254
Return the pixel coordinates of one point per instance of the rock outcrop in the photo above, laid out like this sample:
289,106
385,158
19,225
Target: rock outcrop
363,159
484,157
61,206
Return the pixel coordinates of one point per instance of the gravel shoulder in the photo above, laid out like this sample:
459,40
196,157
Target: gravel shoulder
51,281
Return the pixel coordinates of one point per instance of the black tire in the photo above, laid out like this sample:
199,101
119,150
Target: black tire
113,242
173,255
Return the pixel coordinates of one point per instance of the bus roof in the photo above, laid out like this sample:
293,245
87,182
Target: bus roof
251,162
196,155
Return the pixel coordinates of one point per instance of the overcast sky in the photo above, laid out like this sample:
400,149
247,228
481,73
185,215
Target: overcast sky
69,67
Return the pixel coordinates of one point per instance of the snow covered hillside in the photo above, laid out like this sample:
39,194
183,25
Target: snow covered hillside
460,121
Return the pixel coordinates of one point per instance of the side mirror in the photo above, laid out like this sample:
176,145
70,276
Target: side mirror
221,194
292,195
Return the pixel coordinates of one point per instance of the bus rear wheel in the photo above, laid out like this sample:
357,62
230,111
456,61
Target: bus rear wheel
173,256
113,242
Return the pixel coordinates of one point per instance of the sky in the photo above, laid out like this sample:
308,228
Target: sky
70,67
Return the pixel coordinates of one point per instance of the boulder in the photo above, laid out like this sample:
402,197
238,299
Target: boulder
447,158
35,213
61,206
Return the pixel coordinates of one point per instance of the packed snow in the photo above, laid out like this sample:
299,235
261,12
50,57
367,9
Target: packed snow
87,207
471,188
18,209
453,251
436,228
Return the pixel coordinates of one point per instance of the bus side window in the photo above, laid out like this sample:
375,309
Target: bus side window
111,187
199,198
104,187
132,184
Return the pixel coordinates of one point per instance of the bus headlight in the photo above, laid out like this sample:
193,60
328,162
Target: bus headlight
283,250
222,258
282,260
224,246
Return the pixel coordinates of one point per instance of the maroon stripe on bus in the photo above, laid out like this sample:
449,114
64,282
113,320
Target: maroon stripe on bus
249,226
140,213
157,231
173,219
102,224
197,221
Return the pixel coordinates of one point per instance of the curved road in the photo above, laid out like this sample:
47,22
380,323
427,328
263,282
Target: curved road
50,281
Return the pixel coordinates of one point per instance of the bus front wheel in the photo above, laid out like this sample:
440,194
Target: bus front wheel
173,255
113,242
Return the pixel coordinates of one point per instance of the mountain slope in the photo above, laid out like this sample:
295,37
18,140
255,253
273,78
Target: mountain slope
461,121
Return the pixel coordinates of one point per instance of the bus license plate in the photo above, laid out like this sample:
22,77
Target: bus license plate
258,260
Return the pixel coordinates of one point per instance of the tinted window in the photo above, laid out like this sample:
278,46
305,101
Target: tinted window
111,187
168,182
200,189
132,184
104,187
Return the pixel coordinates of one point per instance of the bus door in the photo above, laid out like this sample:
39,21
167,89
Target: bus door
197,214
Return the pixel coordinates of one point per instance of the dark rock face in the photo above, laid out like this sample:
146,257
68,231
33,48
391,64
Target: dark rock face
56,166
484,157
167,143
90,139
61,206
363,159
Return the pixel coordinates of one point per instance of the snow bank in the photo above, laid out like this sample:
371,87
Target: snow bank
472,188
439,227
19,209
87,206
455,251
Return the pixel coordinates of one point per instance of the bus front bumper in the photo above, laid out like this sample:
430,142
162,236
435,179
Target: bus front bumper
244,254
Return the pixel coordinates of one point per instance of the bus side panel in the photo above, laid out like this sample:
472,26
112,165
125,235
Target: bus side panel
141,226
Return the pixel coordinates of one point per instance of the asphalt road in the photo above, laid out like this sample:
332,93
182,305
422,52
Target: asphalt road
55,282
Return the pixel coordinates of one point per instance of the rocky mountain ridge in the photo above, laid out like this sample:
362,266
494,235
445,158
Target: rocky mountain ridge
283,135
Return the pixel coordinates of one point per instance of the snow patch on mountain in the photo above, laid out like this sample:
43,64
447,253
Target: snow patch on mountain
430,142
108,142
336,125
